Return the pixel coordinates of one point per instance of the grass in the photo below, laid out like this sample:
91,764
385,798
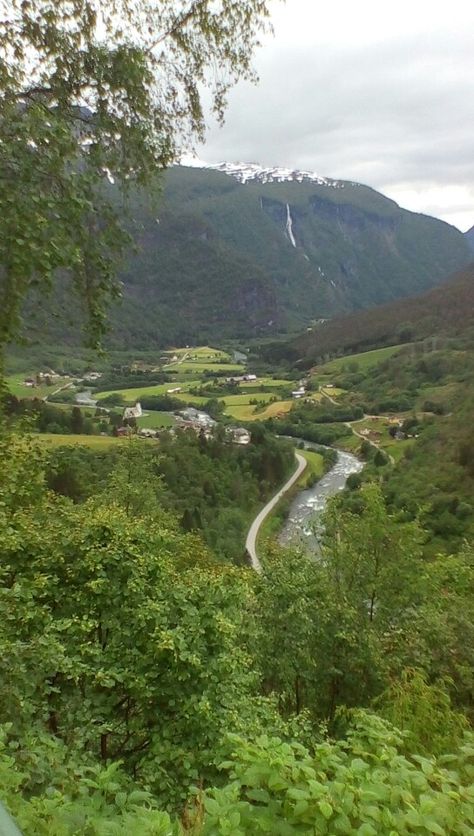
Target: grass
268,383
333,392
155,420
396,449
131,395
16,387
274,522
246,412
201,352
349,443
314,469
364,361
245,398
95,442
202,366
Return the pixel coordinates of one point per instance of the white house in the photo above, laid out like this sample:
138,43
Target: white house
298,393
132,412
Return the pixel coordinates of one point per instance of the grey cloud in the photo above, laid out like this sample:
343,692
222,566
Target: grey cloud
387,114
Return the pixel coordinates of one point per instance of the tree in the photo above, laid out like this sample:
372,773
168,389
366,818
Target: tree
92,94
77,420
363,785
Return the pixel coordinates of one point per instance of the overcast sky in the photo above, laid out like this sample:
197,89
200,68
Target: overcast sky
368,90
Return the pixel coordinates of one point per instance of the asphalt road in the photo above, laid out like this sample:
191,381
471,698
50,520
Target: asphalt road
251,542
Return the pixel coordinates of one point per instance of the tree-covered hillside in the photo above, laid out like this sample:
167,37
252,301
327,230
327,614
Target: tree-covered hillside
216,258
147,688
445,310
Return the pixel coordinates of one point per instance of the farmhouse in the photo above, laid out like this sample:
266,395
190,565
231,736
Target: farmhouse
238,435
147,432
195,419
121,431
132,412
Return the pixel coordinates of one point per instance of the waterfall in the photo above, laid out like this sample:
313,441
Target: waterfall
289,226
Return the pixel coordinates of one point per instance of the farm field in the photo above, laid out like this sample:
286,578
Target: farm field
95,442
268,383
246,412
199,366
16,387
134,394
333,392
364,361
199,353
155,420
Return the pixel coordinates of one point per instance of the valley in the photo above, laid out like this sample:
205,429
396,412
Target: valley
379,405
236,419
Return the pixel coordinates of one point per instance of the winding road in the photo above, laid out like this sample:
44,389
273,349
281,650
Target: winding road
251,542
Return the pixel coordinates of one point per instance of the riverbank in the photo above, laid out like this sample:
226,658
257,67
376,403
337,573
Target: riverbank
295,512
251,541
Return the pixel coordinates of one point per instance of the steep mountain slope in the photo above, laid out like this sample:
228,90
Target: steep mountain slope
238,251
448,309
264,250
469,235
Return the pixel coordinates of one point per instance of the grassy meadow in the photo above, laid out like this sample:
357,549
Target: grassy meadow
95,442
364,361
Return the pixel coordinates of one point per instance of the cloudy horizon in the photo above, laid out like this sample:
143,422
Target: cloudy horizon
379,95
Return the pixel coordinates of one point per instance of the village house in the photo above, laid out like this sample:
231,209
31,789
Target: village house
122,431
91,376
241,378
132,412
238,435
147,432
196,419
174,391
298,393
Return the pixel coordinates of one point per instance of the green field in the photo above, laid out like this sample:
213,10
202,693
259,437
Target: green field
96,442
364,361
200,366
200,353
333,392
314,468
349,443
246,412
268,383
155,420
396,449
16,387
134,394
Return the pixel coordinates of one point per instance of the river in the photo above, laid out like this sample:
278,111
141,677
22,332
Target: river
307,507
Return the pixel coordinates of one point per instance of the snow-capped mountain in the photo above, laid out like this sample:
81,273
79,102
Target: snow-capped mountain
248,172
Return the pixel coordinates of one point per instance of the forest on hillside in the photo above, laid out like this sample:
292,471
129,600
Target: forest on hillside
149,687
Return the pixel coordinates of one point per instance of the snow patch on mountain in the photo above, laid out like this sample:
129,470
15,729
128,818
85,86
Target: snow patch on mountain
251,172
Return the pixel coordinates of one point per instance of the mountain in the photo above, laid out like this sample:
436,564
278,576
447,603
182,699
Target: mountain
237,250
444,310
469,235
240,250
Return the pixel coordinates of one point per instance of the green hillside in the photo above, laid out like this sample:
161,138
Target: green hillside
214,259
448,309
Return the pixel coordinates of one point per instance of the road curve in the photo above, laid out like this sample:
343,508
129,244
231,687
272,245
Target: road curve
251,541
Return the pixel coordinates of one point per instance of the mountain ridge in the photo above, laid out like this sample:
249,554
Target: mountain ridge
220,259
444,310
